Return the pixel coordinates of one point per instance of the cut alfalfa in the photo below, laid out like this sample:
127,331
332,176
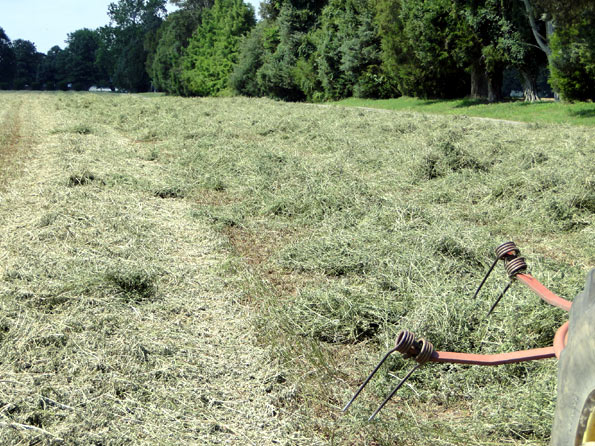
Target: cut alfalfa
82,179
448,155
170,192
336,315
133,285
82,129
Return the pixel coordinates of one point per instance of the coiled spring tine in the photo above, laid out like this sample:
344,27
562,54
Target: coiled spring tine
394,391
503,252
514,266
499,297
421,350
369,378
485,277
424,352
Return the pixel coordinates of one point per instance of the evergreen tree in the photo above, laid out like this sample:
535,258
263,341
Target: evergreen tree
424,46
164,66
348,50
277,59
213,48
244,77
277,76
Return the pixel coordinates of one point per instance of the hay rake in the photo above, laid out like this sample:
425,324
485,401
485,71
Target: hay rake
422,351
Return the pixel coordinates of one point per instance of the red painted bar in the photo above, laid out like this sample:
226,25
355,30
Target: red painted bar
543,292
560,339
497,359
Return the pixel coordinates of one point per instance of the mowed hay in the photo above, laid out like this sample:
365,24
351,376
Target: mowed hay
335,227
118,325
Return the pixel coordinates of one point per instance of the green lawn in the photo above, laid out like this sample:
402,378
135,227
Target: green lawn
580,113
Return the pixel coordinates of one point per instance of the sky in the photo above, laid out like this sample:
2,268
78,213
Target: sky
47,22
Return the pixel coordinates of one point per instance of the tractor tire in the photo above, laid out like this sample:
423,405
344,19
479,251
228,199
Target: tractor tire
574,419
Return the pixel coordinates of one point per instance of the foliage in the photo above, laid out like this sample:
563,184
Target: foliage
7,61
277,58
283,47
81,56
192,5
164,65
319,50
212,50
244,77
348,50
27,60
54,70
573,58
271,10
135,24
435,47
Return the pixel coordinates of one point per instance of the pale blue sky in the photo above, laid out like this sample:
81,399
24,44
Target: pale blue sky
47,22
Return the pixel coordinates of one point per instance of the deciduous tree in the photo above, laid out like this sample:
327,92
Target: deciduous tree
27,60
133,24
81,56
7,61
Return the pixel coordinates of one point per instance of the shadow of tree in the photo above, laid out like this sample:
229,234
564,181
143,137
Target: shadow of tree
469,102
583,113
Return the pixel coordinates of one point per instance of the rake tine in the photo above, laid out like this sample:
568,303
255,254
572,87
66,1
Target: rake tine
394,391
499,297
368,379
485,277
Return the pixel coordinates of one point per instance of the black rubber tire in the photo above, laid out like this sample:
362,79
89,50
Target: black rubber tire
576,371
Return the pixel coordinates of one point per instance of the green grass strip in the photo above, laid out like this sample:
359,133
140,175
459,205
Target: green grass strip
578,113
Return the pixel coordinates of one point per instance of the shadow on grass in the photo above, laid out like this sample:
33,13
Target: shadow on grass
522,103
461,103
582,113
469,102
424,102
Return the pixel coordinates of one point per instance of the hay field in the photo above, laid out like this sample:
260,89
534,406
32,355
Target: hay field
226,271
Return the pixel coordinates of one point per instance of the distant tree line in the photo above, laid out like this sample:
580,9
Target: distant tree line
320,50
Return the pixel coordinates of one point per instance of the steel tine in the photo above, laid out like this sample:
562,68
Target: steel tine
499,297
394,391
485,278
368,379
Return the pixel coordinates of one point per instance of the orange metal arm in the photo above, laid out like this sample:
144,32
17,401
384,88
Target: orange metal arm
497,359
545,294
507,358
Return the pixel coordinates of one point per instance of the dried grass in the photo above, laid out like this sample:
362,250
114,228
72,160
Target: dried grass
118,322
123,299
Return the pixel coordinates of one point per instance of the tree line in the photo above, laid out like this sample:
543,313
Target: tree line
320,50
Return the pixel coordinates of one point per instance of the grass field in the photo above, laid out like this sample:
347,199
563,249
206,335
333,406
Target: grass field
548,112
226,271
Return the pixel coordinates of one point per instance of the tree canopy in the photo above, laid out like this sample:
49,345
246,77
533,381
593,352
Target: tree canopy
323,49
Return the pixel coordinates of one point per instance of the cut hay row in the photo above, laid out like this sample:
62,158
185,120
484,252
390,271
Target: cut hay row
228,270
118,325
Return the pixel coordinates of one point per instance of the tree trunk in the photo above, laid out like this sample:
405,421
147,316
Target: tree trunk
479,82
495,86
542,42
549,30
529,86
